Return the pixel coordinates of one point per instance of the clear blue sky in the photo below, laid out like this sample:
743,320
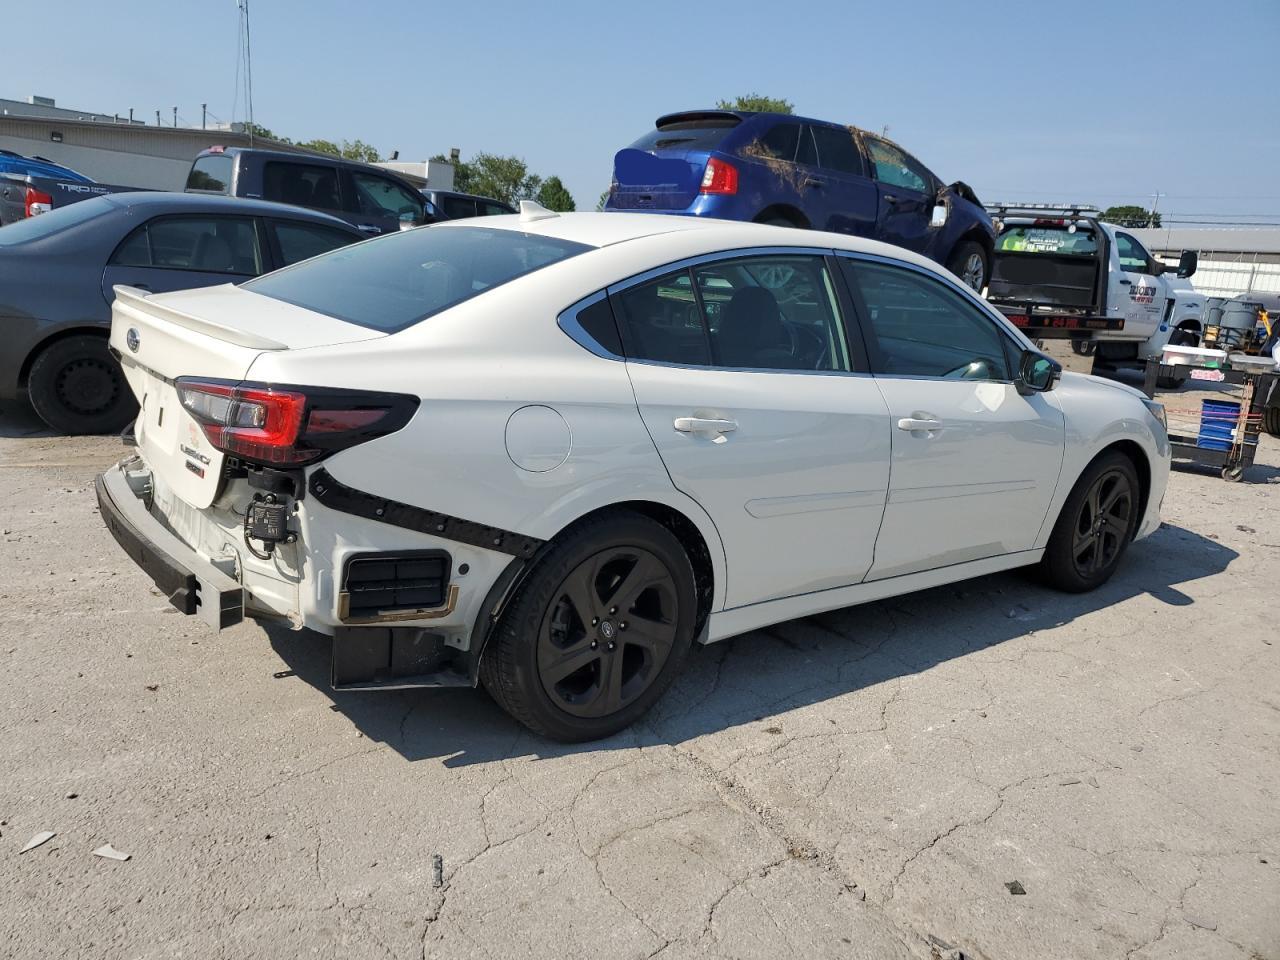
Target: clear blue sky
1089,101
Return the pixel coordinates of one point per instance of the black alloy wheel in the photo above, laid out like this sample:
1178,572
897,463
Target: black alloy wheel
597,631
1095,526
1103,523
608,633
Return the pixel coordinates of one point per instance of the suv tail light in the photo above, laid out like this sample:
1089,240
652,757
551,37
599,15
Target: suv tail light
719,177
287,425
37,202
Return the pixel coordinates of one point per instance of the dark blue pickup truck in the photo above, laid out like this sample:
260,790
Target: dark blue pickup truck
30,186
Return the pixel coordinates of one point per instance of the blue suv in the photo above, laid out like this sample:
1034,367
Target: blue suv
797,172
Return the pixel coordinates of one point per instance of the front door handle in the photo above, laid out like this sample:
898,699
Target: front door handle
912,424
704,425
811,182
1126,282
368,228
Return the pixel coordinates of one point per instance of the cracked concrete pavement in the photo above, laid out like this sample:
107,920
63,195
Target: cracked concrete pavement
858,784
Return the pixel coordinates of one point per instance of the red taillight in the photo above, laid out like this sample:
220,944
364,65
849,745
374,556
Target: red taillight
289,426
37,202
719,177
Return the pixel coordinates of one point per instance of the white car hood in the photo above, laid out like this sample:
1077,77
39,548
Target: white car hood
1086,381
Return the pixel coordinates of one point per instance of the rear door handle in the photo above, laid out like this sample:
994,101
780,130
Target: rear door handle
912,424
704,425
368,228
811,182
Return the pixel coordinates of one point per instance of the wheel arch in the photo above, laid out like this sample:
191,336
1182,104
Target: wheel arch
700,541
63,333
784,211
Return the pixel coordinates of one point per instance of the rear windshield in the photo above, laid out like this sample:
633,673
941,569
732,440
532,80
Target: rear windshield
1048,239
687,135
211,174
396,281
55,221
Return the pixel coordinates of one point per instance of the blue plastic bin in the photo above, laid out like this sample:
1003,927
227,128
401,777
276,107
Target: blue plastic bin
1217,422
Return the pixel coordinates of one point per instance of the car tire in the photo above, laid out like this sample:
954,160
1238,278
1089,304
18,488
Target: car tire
76,386
1271,419
970,263
1068,564
569,679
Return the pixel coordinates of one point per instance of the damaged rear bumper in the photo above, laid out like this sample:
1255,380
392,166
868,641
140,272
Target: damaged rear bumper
192,584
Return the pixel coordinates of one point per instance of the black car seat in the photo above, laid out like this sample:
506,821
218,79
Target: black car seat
752,332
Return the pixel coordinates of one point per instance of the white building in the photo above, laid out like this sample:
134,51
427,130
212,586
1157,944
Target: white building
1233,260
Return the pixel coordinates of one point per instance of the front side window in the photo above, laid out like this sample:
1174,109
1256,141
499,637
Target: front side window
302,241
205,244
301,184
380,197
917,327
403,278
894,168
754,313
1133,256
837,151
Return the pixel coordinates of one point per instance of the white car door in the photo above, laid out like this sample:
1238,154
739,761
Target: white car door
1132,290
974,462
764,413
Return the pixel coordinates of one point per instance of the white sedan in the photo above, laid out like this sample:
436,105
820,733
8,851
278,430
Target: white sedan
548,453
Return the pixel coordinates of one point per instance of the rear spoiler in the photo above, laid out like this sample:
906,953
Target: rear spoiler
132,300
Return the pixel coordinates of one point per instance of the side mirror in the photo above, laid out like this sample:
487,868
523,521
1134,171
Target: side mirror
1188,262
1156,267
939,217
1037,373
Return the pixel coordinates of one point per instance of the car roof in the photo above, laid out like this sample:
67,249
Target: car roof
464,196
303,157
152,202
615,227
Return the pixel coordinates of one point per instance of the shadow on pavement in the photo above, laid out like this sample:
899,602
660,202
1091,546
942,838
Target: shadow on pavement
17,419
787,666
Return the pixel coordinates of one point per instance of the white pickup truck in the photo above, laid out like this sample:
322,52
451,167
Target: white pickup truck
1061,272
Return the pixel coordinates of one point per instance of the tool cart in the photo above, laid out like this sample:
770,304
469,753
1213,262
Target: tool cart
1228,424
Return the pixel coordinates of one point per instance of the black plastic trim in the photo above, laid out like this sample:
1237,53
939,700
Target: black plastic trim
338,496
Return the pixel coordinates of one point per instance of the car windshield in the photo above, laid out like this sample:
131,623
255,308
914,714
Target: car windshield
55,221
686,135
396,281
1036,238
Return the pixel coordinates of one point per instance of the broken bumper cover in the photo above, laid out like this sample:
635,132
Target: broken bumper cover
193,585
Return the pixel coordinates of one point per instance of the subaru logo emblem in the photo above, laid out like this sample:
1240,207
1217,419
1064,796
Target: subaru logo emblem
607,629
132,340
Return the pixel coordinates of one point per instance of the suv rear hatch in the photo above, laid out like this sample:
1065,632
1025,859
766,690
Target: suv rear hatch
162,338
663,170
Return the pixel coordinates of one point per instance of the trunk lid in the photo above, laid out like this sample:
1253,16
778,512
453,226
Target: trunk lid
663,181
214,333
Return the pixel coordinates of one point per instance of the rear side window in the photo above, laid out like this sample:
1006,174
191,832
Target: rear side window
205,244
919,328
701,134
301,184
754,313
211,174
302,241
837,151
401,279
493,209
779,143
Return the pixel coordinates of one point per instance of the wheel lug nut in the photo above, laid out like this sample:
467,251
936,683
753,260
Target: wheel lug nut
595,621
612,645
612,611
622,625
594,644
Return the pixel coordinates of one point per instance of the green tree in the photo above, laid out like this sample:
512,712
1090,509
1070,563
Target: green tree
502,178
348,149
554,196
604,198
1131,215
321,146
258,130
757,103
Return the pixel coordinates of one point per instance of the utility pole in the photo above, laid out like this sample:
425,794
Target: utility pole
175,117
204,113
157,118
131,114
1155,203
